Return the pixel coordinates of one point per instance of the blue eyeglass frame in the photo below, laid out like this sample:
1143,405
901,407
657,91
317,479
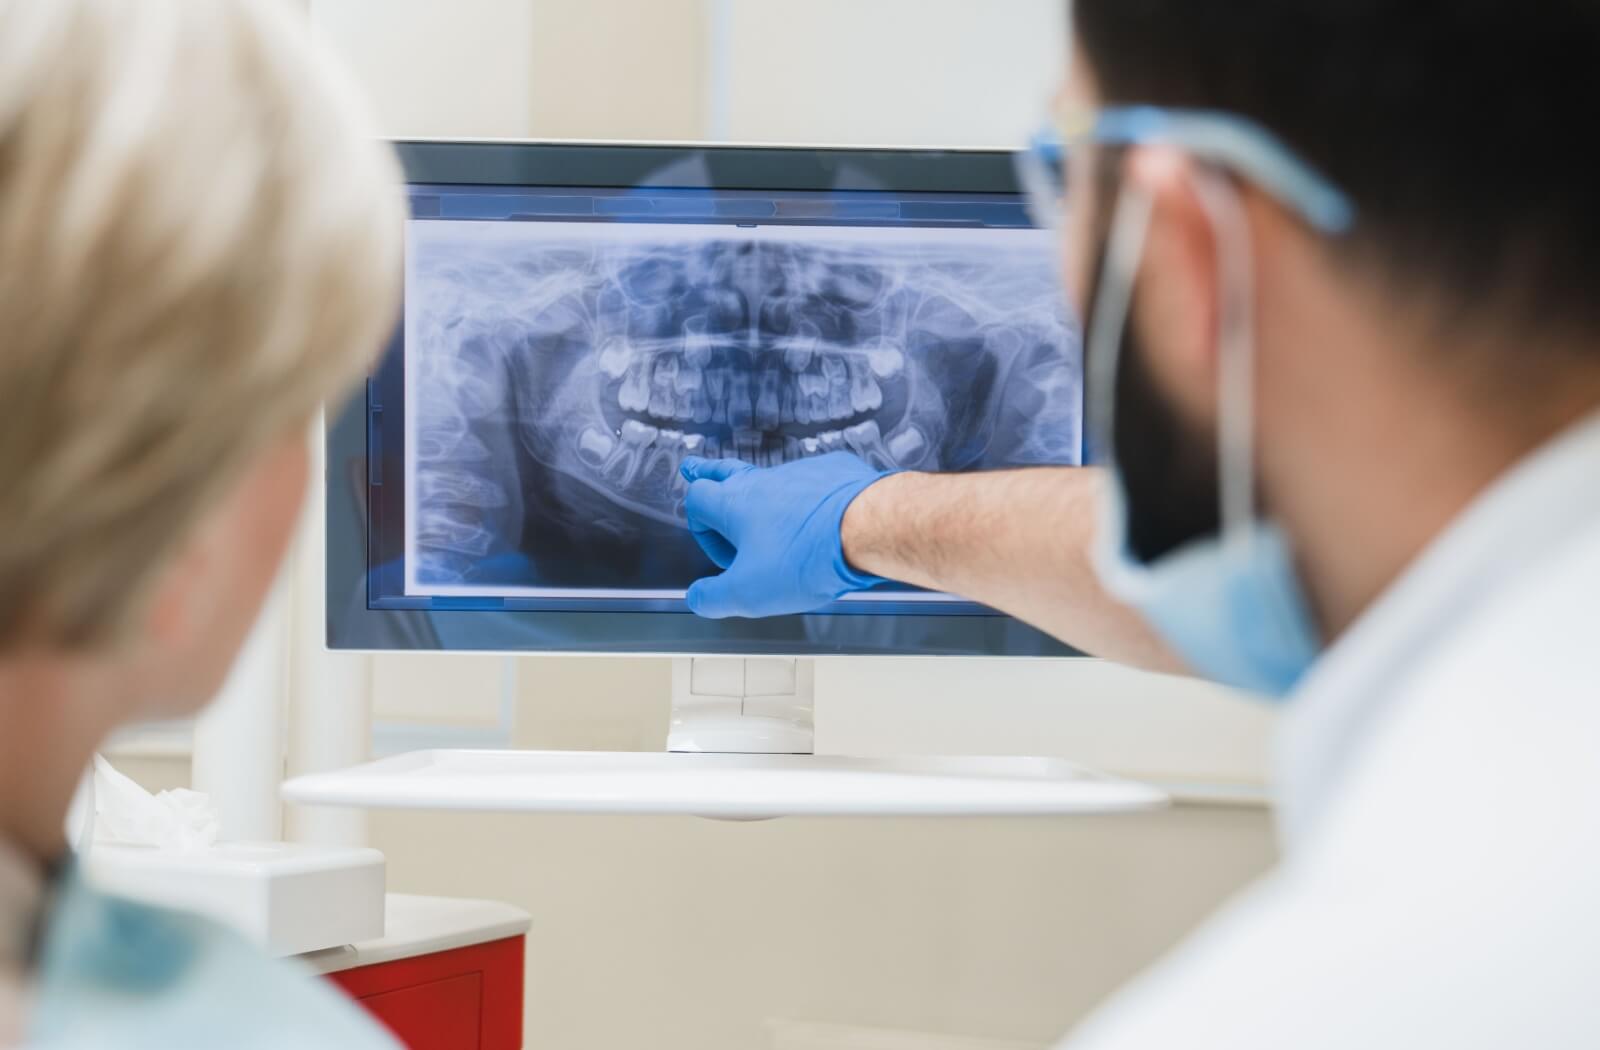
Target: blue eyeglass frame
1224,139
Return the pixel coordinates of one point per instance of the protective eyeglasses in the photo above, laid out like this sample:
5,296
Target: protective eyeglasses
1224,139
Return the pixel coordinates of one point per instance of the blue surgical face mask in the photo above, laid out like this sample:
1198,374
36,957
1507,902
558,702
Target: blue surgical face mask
1229,603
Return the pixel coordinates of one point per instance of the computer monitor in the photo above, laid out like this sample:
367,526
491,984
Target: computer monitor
580,317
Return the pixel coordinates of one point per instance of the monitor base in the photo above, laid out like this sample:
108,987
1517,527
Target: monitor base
755,706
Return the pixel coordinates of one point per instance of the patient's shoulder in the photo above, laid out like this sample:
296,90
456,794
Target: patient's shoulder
116,972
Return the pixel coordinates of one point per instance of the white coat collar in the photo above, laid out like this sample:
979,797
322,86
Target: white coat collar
1521,518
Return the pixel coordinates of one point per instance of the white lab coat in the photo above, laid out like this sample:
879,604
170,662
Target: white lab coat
1438,776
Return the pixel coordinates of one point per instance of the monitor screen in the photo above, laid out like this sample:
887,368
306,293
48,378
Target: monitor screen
578,319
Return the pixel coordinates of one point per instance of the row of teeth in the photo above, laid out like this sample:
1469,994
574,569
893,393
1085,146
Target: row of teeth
620,457
674,387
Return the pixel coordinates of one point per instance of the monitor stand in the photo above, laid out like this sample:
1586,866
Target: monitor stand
750,706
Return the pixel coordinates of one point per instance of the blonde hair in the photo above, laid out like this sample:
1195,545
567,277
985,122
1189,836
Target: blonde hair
199,243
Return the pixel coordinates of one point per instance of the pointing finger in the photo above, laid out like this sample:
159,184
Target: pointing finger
715,598
695,468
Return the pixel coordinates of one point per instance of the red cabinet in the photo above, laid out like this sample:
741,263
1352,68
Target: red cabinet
446,975
462,999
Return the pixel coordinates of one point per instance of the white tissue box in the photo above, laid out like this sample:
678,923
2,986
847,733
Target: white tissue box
289,897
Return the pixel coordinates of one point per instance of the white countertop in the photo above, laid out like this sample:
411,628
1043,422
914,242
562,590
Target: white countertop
416,926
724,786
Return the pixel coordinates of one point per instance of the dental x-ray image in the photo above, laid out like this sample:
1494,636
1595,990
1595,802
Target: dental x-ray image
557,374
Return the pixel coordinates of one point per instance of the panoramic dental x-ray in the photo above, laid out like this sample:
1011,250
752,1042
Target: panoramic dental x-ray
557,373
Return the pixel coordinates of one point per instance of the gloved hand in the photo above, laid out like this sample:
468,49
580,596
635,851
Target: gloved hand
774,532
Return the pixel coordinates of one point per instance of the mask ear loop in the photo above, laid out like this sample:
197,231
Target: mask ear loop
1040,194
1130,225
1236,401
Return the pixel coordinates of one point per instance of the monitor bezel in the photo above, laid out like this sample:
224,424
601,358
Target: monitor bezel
353,626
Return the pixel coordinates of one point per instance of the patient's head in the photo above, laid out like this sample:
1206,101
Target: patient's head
199,243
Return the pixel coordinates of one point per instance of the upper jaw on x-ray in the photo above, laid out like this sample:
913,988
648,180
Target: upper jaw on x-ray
559,373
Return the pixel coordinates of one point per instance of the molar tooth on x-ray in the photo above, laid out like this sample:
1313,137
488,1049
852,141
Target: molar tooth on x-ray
558,373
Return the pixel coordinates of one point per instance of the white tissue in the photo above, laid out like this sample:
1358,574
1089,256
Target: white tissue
125,814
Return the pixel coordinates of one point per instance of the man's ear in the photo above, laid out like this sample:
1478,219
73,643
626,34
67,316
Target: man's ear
1177,303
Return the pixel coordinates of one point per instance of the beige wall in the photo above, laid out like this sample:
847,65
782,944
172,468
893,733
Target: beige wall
618,69
683,934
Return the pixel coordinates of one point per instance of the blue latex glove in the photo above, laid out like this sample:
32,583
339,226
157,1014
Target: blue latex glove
774,532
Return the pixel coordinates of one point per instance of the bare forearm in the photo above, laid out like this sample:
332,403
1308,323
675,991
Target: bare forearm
1016,540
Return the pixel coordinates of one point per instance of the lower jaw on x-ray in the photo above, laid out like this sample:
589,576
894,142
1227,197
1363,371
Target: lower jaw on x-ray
556,375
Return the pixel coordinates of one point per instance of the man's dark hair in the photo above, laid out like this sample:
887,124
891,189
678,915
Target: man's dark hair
1461,129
